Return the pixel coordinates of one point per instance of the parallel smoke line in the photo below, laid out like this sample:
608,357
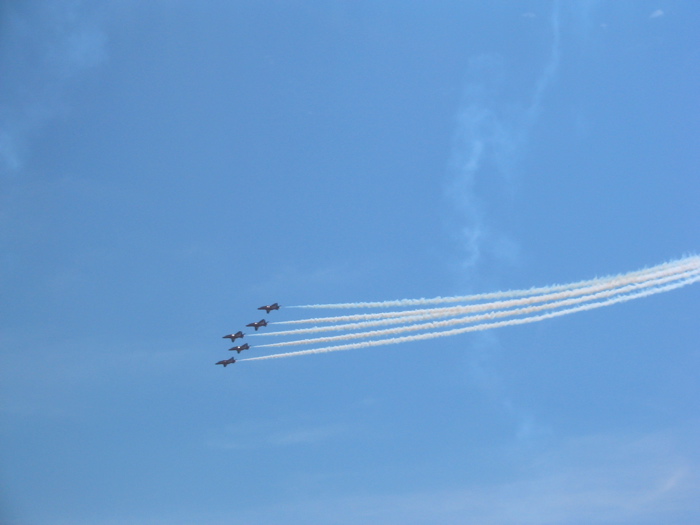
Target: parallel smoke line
484,326
493,314
389,318
436,313
676,266
479,297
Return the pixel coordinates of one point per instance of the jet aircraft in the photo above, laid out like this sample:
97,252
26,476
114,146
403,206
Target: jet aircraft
270,307
225,362
235,336
238,349
257,325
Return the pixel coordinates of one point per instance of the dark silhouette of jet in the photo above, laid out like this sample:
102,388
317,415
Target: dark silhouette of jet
270,307
235,336
257,325
227,362
238,349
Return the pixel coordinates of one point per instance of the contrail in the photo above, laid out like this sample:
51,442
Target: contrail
550,305
586,287
485,326
477,297
416,315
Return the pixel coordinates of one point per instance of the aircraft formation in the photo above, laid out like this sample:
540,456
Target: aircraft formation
240,335
410,320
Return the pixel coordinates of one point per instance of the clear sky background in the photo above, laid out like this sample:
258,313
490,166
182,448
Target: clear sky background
167,167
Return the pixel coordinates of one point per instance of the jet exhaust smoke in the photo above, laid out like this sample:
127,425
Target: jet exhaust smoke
387,318
517,307
491,295
493,314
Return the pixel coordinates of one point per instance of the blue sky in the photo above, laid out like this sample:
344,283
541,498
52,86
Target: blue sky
167,168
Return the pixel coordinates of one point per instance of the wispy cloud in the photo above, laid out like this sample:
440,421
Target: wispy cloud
606,478
66,373
46,45
656,14
282,432
304,436
621,478
490,136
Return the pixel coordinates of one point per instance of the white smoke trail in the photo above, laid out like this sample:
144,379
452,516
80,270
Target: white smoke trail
484,326
435,313
476,297
550,305
388,318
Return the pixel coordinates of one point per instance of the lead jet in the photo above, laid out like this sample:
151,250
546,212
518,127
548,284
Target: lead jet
257,325
225,362
238,349
235,336
270,307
